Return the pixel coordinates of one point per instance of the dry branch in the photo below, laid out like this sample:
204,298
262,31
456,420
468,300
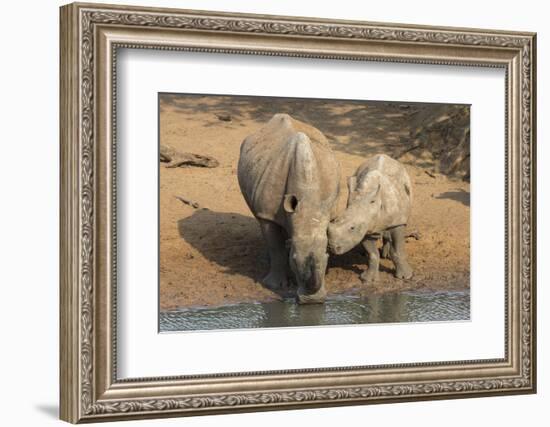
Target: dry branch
188,202
176,159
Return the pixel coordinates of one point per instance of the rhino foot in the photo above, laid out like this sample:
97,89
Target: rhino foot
369,276
403,271
318,297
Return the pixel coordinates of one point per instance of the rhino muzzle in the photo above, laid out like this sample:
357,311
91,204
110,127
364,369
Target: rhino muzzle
311,288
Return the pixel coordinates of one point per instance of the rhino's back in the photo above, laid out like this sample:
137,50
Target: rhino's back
265,160
385,165
396,188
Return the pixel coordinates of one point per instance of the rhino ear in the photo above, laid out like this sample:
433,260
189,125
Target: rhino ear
290,203
372,195
352,183
352,186
370,185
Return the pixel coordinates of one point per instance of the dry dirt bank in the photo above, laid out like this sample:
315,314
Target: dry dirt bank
215,254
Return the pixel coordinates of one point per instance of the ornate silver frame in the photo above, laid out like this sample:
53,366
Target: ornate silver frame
90,36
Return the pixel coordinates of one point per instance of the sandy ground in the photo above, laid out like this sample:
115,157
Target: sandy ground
215,254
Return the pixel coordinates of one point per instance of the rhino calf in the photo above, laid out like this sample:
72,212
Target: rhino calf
379,205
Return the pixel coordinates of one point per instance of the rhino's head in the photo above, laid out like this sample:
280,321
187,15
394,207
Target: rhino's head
308,215
360,216
307,249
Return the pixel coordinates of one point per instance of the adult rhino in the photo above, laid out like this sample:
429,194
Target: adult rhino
379,205
290,180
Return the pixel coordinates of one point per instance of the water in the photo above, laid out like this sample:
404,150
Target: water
339,310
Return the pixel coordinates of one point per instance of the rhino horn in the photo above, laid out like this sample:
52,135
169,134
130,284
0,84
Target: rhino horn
303,177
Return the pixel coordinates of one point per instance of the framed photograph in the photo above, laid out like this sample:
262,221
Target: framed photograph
266,212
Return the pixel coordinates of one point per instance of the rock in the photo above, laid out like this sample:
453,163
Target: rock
224,117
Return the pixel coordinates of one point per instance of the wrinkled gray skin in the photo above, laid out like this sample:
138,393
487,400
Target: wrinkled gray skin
289,178
379,205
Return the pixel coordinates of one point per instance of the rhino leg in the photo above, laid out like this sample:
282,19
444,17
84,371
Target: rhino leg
398,255
386,246
278,277
373,261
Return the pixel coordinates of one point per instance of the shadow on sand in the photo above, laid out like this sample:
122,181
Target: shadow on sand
353,127
235,243
231,240
461,196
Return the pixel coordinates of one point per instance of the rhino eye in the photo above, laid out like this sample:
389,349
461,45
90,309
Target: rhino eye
352,228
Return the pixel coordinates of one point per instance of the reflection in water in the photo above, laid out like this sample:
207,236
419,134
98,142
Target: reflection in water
338,310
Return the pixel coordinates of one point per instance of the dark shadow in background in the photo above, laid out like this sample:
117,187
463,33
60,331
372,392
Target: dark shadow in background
386,124
460,195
